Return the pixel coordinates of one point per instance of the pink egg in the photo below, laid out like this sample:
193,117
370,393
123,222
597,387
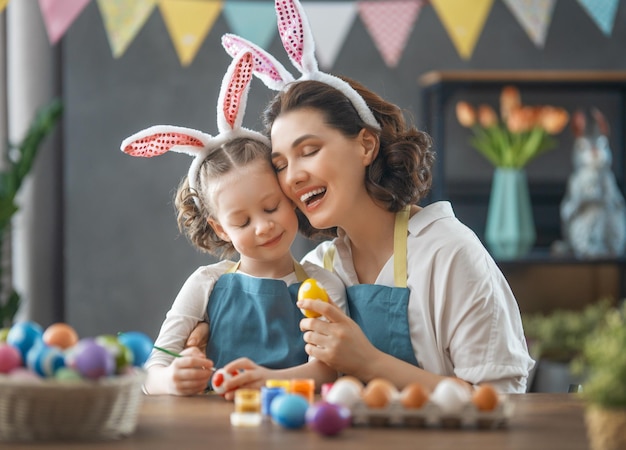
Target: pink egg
10,358
25,374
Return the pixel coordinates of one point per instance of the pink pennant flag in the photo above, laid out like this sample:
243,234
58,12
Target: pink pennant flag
58,15
390,23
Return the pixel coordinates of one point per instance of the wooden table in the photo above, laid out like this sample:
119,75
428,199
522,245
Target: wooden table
539,421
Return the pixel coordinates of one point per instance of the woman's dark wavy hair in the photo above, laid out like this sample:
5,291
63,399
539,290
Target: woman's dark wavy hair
193,219
401,173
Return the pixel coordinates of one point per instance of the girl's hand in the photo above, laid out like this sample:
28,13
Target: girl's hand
337,341
189,374
250,376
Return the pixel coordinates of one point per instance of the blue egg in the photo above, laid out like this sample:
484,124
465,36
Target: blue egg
23,335
289,410
138,343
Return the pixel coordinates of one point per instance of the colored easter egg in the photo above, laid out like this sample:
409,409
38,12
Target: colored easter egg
311,289
327,418
23,335
122,355
139,343
24,374
10,358
60,335
4,332
90,359
67,374
289,410
44,360
218,379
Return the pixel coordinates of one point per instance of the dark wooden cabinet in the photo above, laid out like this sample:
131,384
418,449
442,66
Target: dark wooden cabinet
464,178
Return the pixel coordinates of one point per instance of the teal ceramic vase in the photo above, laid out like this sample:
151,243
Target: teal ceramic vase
510,230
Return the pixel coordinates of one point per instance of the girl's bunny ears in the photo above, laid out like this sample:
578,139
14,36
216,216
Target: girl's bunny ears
297,38
231,106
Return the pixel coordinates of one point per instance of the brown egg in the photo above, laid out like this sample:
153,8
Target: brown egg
378,393
485,398
413,396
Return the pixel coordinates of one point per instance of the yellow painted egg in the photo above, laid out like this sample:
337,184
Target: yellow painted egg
311,289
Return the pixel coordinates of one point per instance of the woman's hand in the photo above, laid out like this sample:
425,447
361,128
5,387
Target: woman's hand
189,374
337,341
199,336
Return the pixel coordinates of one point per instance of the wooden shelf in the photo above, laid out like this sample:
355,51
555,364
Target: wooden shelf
522,76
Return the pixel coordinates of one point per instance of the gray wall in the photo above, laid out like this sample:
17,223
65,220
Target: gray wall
124,258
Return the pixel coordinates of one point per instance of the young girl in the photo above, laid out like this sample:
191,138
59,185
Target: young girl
231,202
426,299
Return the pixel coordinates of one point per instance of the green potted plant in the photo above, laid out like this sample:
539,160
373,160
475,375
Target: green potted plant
18,163
603,362
557,338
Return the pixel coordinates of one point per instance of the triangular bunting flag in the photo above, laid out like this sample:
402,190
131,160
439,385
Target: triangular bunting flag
122,21
464,21
188,22
58,15
3,4
534,16
390,23
602,12
330,23
254,21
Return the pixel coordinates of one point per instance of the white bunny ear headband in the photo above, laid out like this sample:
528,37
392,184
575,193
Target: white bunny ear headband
297,38
231,105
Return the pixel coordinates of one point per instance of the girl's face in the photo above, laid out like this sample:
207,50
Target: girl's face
253,213
320,169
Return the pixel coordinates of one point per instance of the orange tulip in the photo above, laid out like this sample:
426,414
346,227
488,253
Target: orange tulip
487,116
510,100
553,119
465,114
521,119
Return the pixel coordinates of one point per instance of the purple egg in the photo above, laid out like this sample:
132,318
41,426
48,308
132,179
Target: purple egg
90,359
327,418
10,358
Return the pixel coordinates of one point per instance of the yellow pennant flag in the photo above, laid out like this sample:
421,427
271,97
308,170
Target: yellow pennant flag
188,22
3,4
464,21
123,19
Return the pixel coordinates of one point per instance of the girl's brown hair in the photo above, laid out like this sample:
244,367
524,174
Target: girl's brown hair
193,218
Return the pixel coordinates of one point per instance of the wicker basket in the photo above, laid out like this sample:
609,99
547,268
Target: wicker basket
79,410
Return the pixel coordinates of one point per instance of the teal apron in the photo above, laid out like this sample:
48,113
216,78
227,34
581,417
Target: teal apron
382,311
256,318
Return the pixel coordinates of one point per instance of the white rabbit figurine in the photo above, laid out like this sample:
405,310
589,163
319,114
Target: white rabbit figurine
593,211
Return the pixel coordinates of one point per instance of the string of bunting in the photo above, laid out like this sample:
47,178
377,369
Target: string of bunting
388,22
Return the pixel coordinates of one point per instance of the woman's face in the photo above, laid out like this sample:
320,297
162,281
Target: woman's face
320,169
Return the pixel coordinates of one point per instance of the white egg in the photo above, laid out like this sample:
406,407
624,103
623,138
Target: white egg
451,396
345,391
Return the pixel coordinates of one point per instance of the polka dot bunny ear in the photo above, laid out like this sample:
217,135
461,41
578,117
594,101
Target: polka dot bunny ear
297,38
231,105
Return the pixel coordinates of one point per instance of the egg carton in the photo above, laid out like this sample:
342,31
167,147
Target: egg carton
431,415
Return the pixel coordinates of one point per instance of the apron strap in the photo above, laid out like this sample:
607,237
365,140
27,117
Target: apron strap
301,274
329,256
400,231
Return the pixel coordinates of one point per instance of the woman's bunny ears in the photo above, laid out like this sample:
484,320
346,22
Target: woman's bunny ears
297,38
231,105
